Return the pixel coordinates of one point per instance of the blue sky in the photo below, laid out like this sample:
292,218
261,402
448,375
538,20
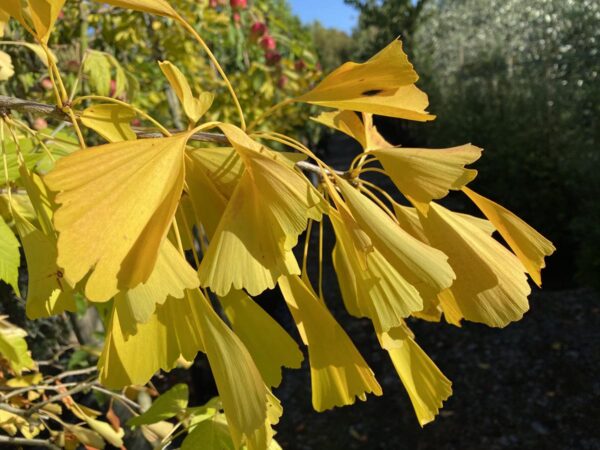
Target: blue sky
331,13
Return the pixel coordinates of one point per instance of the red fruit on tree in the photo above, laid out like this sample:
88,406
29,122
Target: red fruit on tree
273,57
282,82
238,4
40,124
46,84
257,30
268,43
299,65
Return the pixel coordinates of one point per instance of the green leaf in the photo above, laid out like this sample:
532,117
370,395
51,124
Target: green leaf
209,435
14,347
97,67
164,407
9,257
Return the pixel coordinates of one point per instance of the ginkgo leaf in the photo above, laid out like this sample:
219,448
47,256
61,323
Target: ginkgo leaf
339,373
417,262
268,343
209,435
530,246
383,85
48,293
347,122
266,213
43,15
491,286
85,436
194,107
104,429
240,386
13,347
159,7
172,332
166,406
382,294
208,203
12,8
426,174
171,276
117,202
10,258
111,121
426,385
4,18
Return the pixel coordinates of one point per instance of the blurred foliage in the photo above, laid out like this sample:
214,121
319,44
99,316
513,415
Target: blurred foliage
381,21
333,46
120,51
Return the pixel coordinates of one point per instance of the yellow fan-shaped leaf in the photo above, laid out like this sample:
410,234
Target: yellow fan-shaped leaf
491,286
171,276
417,262
48,293
383,85
194,107
268,343
116,204
240,386
347,122
111,121
43,15
530,246
268,210
172,332
10,258
339,373
426,385
13,347
382,294
12,8
426,174
159,7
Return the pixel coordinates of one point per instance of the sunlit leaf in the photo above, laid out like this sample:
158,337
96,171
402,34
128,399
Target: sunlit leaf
10,258
116,204
168,405
339,374
111,121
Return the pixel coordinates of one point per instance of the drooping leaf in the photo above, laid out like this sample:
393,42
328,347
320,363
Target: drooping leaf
14,348
418,263
490,286
378,292
168,405
172,332
43,14
117,202
47,293
171,276
339,373
268,343
268,210
530,246
426,385
10,258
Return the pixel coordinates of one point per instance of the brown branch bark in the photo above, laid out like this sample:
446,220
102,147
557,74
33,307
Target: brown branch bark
8,104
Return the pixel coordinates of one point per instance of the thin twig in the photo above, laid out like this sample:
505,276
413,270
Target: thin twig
9,440
10,103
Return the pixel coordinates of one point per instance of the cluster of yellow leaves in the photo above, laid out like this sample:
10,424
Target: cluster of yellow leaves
118,222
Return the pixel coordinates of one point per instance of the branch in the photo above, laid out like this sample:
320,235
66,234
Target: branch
8,104
27,442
